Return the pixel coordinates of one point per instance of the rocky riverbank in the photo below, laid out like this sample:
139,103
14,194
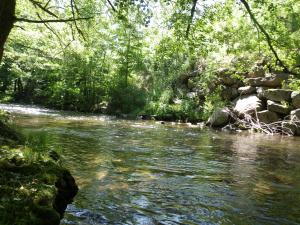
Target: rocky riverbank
262,102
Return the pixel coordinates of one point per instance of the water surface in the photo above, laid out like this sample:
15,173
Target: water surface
137,172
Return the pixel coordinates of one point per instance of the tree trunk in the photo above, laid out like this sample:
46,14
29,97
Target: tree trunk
7,19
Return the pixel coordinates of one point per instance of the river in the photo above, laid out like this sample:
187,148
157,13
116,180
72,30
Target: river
142,172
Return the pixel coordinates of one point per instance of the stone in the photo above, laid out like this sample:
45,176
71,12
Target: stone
219,118
267,117
278,95
229,93
297,129
295,115
272,80
191,95
278,108
227,80
225,77
288,128
296,99
247,104
261,92
247,90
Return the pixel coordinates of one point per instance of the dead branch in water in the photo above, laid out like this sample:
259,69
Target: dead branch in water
250,122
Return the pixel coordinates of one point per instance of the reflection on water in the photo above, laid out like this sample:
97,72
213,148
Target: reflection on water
133,172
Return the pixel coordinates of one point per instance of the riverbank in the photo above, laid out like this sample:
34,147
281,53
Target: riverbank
34,188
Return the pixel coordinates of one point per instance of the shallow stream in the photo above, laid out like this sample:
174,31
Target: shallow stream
142,172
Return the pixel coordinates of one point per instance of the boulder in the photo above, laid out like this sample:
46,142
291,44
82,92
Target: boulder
271,80
296,99
267,117
295,115
298,128
247,104
261,92
278,108
229,93
247,90
219,118
278,95
288,128
225,77
227,80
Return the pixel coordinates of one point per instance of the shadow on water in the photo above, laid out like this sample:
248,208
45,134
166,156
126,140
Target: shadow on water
135,172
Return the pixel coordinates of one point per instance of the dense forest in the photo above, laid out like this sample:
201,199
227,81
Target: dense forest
89,86
137,57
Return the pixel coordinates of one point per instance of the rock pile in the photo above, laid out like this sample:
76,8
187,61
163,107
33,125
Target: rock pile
261,101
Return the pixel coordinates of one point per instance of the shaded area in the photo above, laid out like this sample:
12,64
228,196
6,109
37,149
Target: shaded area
33,190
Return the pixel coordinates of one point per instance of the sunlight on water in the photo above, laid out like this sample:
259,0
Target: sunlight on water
142,172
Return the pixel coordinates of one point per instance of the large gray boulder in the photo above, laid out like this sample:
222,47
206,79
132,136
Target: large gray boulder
247,90
295,115
267,117
247,104
219,118
296,99
271,80
289,128
278,95
278,108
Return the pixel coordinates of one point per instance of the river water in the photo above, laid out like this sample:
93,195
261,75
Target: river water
142,172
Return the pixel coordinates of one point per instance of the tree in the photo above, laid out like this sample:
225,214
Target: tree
8,17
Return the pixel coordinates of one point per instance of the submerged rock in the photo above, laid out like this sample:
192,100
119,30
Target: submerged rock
278,108
248,104
278,95
296,99
267,117
219,118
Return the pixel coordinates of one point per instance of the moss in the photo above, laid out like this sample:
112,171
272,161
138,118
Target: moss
28,189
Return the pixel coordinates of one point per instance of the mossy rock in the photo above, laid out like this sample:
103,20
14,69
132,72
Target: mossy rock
32,191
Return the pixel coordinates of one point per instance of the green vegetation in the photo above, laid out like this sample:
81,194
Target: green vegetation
138,57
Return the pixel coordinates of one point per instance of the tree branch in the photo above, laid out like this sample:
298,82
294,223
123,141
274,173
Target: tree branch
191,18
112,6
73,5
35,3
267,36
50,20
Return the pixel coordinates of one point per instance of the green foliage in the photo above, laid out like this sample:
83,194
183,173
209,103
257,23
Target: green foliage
294,84
132,58
212,102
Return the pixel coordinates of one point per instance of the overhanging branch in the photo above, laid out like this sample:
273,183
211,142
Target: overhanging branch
267,36
51,20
